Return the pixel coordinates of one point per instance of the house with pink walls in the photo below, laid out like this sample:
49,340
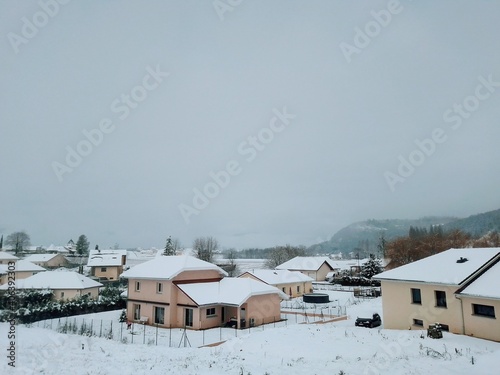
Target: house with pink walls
183,291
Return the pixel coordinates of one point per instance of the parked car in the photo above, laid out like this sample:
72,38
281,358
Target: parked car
374,321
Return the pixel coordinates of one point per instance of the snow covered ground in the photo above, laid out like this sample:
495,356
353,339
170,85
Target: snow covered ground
329,348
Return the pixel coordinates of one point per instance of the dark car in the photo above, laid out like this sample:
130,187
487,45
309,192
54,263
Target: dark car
374,321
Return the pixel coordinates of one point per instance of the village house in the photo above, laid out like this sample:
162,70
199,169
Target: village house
64,284
183,291
6,257
107,264
48,260
315,267
457,288
22,269
293,283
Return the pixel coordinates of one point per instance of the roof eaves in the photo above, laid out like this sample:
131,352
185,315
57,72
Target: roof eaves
478,273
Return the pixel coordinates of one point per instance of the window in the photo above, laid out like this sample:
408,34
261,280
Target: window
211,311
415,296
159,288
188,317
283,289
62,294
159,315
440,298
418,322
483,310
444,327
298,288
137,286
103,269
137,312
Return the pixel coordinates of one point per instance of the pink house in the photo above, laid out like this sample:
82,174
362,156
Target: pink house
183,291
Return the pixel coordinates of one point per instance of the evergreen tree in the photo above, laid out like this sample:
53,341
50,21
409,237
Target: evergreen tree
82,245
372,267
381,245
1,243
169,247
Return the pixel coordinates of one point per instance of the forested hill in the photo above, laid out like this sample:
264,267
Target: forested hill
477,225
364,235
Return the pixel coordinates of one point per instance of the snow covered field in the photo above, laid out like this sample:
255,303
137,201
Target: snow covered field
329,348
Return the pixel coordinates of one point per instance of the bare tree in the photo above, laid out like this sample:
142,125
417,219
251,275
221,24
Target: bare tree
231,267
18,240
281,254
176,244
205,248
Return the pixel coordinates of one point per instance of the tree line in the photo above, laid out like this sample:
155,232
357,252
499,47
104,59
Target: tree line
421,243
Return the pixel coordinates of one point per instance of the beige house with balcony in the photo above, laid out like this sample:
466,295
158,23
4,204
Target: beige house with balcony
457,288
292,283
315,267
65,285
107,264
183,291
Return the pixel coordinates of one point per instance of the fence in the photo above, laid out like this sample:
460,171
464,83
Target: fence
175,337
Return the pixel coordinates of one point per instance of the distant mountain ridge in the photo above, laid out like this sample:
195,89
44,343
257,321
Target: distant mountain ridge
477,225
364,236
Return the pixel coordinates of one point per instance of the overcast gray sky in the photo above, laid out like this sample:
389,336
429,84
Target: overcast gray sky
170,91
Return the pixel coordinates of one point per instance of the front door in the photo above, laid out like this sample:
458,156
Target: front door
188,317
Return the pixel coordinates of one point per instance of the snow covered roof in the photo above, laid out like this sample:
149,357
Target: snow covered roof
167,267
22,266
228,291
55,280
443,267
40,257
7,256
99,258
59,249
485,285
275,277
305,263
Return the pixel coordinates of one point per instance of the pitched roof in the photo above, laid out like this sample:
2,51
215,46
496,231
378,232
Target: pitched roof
167,267
305,263
7,256
228,291
274,277
485,284
40,257
55,280
443,267
99,258
22,266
